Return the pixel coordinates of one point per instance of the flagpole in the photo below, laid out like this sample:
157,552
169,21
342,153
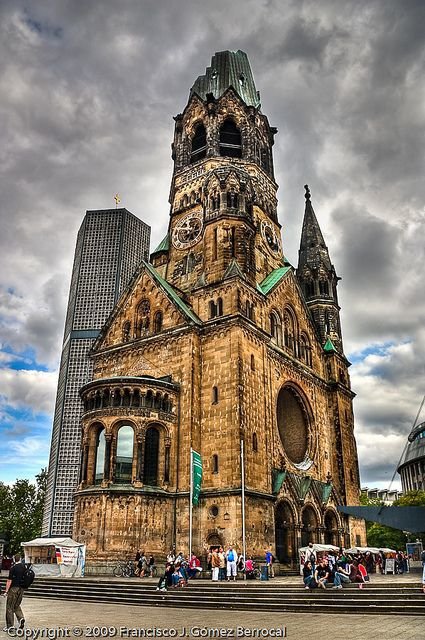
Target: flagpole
190,503
243,505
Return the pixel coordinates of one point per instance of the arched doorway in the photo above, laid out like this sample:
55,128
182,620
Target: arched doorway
214,540
309,526
285,533
331,528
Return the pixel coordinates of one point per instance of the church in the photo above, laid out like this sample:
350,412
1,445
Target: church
218,344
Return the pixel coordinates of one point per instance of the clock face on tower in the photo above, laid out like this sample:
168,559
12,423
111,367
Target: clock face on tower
188,231
270,237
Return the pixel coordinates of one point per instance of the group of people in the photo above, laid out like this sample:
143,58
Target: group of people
224,565
144,566
179,569
333,569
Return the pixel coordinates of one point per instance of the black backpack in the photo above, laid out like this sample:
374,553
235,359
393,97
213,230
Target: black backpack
27,577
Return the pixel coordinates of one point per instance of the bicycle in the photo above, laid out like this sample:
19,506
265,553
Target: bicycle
124,569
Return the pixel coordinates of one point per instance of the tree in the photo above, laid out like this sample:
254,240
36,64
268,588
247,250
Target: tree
21,511
411,499
378,535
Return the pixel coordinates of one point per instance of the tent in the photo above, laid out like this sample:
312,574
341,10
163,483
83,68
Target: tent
355,550
318,548
57,556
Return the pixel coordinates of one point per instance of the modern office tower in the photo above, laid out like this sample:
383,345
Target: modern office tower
110,245
412,464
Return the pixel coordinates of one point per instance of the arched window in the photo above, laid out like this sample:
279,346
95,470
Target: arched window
289,331
230,140
212,309
324,287
100,457
199,144
143,318
254,442
252,362
126,329
215,463
149,399
249,310
157,400
157,322
219,307
124,458
309,288
215,201
275,328
126,398
214,395
215,244
232,199
150,468
305,350
233,242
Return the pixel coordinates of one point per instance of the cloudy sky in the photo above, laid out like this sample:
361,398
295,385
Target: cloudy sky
88,91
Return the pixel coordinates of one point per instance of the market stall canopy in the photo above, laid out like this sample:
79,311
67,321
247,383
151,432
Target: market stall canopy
355,550
320,547
57,542
58,556
410,519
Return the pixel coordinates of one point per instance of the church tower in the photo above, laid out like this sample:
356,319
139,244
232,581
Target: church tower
216,345
223,194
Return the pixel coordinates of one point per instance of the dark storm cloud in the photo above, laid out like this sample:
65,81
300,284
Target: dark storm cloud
88,91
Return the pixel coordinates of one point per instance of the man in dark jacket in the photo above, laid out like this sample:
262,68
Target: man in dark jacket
14,592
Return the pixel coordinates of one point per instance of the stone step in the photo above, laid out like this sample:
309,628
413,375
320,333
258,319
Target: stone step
406,599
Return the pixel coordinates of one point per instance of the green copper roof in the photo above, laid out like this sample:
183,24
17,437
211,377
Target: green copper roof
329,346
228,69
164,245
272,279
172,294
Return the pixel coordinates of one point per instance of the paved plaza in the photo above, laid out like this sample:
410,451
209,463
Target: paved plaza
58,618
67,618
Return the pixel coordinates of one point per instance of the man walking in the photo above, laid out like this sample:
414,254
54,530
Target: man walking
14,592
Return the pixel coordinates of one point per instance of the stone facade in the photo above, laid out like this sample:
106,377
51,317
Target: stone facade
216,342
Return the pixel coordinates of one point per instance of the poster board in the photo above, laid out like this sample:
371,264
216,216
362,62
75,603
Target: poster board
390,565
414,549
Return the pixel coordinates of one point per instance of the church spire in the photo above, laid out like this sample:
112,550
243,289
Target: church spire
313,250
317,277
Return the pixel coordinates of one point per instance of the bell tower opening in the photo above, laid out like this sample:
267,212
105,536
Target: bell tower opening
199,144
230,140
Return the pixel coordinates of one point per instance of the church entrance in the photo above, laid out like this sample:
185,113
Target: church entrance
285,533
309,526
331,529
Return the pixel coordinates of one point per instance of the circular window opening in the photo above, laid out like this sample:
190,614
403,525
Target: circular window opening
214,511
292,424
